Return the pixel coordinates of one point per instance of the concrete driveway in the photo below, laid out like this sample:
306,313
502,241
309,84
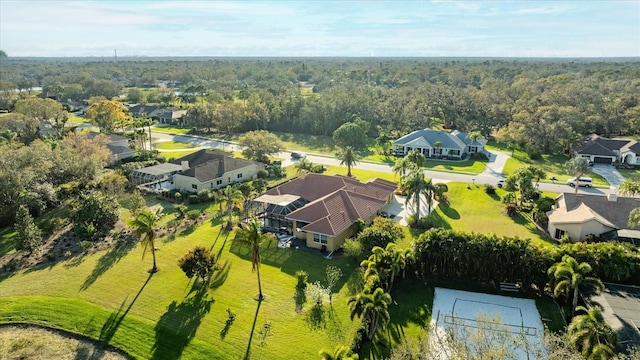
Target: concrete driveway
609,172
402,211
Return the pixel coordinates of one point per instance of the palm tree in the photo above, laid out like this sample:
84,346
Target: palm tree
569,276
371,307
634,218
474,136
144,226
402,166
415,186
577,167
408,256
233,199
348,157
302,164
251,234
629,188
340,352
417,157
437,145
537,173
591,335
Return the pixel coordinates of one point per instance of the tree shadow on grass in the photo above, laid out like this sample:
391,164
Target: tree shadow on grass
355,282
438,221
300,298
316,318
247,354
177,327
115,319
449,212
220,275
107,260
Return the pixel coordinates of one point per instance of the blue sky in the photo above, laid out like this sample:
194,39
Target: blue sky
587,28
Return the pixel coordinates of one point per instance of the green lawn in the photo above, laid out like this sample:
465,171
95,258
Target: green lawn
168,129
633,174
173,145
553,165
176,154
471,210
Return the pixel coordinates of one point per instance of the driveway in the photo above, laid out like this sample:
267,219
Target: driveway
613,177
496,163
402,210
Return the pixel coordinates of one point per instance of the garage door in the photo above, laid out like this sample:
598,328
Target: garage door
602,160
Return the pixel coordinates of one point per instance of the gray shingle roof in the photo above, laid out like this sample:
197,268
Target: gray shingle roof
206,165
616,212
428,137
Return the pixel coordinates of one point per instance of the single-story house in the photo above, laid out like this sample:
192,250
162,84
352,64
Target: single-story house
434,143
213,169
168,115
118,147
323,209
601,150
579,216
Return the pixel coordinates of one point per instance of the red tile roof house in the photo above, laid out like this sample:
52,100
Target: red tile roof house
323,209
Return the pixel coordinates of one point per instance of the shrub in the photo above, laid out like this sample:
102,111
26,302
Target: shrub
545,203
315,291
526,207
204,195
177,196
353,248
198,262
263,174
541,218
479,156
12,265
98,209
302,277
259,185
193,199
51,257
193,214
489,189
85,245
534,155
510,209
374,236
566,239
29,236
318,168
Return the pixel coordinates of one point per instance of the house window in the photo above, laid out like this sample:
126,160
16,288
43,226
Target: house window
320,238
194,186
219,182
239,176
559,233
454,152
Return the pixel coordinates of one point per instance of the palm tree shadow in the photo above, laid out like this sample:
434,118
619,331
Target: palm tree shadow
177,327
247,354
106,262
220,276
115,319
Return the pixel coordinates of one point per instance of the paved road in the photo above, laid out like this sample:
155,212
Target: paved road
489,176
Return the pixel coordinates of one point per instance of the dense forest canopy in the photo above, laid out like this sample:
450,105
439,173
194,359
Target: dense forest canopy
544,105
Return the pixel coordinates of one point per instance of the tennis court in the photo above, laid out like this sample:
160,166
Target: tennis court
483,320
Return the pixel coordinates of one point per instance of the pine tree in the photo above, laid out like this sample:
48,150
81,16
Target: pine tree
29,235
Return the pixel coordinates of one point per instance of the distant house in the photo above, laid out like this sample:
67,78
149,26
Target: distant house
579,216
434,143
170,115
601,150
212,169
118,147
323,209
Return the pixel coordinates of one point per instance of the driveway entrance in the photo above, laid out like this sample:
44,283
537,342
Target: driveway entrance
613,177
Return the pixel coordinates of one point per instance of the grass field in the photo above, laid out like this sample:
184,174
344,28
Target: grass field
172,145
176,154
167,129
471,209
553,165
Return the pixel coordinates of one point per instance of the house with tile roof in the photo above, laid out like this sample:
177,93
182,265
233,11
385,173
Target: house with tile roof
579,216
323,209
433,143
601,150
213,169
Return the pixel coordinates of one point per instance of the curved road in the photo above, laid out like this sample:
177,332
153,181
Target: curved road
489,176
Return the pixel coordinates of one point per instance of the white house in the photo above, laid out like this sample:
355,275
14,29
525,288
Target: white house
434,143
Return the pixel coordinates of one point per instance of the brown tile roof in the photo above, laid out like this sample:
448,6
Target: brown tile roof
336,201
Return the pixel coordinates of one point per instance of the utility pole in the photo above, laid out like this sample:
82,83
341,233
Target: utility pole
115,53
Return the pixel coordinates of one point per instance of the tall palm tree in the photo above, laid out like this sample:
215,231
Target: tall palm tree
144,226
591,335
233,199
402,166
577,167
416,186
536,173
417,157
340,352
474,136
634,218
629,188
569,275
371,307
437,145
408,256
251,234
302,164
348,157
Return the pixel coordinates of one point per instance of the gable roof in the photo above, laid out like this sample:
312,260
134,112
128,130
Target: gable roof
169,113
111,137
139,109
336,202
615,213
635,148
428,137
595,148
206,165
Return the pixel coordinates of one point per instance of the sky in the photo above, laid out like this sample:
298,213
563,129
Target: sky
438,28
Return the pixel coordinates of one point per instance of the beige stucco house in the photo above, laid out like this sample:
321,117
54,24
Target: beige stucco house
579,216
323,209
212,169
